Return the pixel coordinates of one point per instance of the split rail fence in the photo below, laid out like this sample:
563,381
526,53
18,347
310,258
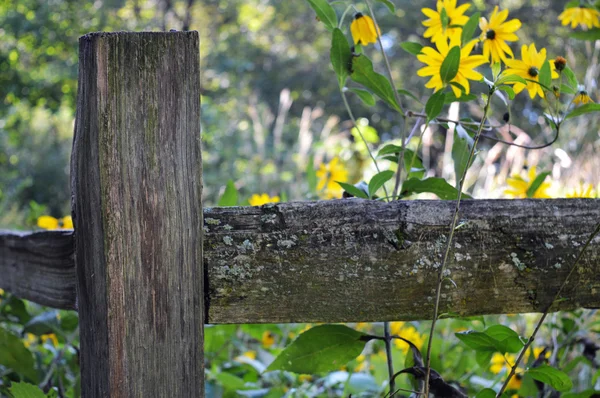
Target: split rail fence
147,266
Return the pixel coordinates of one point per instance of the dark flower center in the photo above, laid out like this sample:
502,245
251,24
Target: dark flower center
358,15
533,71
490,34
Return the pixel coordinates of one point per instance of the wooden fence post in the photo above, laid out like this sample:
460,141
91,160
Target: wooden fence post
136,175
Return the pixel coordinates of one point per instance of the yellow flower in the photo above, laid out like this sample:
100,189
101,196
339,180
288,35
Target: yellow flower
30,338
586,17
396,327
411,334
250,354
496,33
268,339
583,191
259,200
434,60
520,185
363,29
499,361
1,292
49,222
328,175
363,326
515,382
446,21
51,337
582,97
304,378
529,69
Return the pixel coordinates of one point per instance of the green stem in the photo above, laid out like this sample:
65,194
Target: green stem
449,245
545,314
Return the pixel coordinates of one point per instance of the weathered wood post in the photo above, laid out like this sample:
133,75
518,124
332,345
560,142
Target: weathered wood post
136,175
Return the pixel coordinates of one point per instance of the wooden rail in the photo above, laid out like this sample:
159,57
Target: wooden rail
357,260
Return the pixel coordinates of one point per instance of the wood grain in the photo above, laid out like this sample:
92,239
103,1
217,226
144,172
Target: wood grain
136,176
355,260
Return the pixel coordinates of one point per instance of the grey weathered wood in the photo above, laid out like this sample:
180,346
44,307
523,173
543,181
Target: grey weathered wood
355,260
136,174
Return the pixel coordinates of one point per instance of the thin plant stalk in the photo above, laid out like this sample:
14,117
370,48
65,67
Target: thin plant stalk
388,353
545,314
449,245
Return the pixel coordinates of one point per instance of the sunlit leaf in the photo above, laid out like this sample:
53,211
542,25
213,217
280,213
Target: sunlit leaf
321,349
340,56
435,185
583,109
555,378
450,65
411,47
363,73
545,75
571,78
230,196
434,105
24,390
539,180
325,12
389,5
354,191
365,96
461,149
378,180
468,29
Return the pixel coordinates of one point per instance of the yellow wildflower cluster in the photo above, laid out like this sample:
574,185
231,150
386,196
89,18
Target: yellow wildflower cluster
520,184
328,177
579,15
363,29
408,332
259,200
49,222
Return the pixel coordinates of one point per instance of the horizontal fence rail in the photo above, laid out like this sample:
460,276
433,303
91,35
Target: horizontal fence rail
357,260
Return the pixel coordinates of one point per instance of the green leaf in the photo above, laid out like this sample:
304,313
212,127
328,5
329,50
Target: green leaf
468,29
496,68
508,90
354,191
461,149
230,196
580,110
478,341
363,73
364,95
340,56
378,180
582,394
435,185
14,355
591,34
325,12
390,152
450,65
555,378
44,323
389,5
566,89
571,78
484,357
510,79
411,47
434,105
546,75
25,390
445,19
539,179
230,382
508,339
323,348
486,393
389,149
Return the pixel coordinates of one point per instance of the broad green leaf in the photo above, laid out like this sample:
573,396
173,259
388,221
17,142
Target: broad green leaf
461,149
363,73
496,68
25,390
435,185
311,175
484,357
479,341
591,34
354,191
486,393
450,65
582,394
44,323
571,78
378,180
468,29
411,47
364,96
340,56
323,348
566,89
555,378
580,110
508,90
230,196
546,75
539,180
14,307
389,149
451,97
230,382
445,19
389,5
500,332
14,355
434,105
325,12
508,339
